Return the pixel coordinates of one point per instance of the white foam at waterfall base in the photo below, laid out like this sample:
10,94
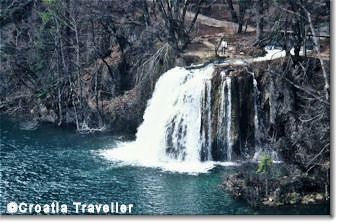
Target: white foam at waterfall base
177,96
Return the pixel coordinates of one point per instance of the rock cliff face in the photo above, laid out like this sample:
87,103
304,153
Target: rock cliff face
241,106
293,122
232,115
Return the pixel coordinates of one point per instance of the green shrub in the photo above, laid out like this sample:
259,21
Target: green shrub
48,2
264,165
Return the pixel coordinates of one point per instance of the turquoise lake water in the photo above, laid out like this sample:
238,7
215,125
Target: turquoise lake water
53,164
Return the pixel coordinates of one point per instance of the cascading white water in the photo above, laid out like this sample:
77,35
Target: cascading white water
169,136
207,135
173,135
256,117
258,149
229,118
223,101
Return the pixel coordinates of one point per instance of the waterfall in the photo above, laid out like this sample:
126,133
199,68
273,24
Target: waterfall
170,135
229,119
194,118
223,99
207,130
209,119
256,117
258,149
224,124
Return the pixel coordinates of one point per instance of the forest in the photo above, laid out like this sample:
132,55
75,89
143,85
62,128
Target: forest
92,66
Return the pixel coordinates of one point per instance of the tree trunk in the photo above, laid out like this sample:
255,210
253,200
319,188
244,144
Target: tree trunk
232,10
318,51
242,12
259,20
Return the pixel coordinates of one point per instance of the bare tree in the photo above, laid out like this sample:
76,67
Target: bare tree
232,10
239,17
259,19
178,20
318,51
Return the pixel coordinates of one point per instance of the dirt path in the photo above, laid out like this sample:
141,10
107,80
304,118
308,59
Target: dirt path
210,32
205,20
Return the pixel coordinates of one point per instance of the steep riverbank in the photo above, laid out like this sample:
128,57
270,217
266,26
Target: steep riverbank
294,121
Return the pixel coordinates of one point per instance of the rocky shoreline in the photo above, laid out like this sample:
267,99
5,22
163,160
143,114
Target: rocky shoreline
287,186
